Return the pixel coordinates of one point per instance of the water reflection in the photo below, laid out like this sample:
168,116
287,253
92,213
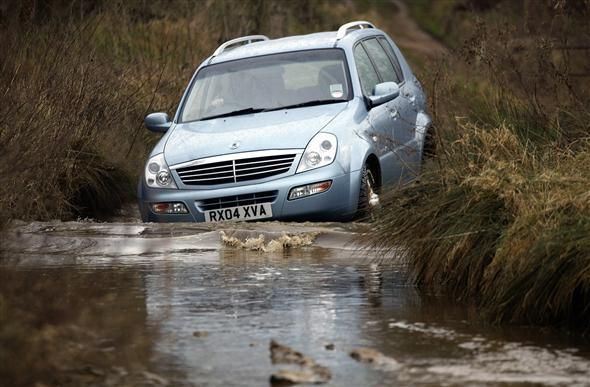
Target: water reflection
70,315
71,326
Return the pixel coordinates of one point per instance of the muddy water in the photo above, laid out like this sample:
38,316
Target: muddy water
134,304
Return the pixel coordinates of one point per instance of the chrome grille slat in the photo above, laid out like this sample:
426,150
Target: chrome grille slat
242,168
245,161
210,178
287,164
237,200
200,178
209,166
218,170
263,172
230,173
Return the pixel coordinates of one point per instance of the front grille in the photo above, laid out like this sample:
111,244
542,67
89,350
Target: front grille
208,174
237,200
235,171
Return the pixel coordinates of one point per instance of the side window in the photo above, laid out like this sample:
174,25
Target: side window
381,60
389,49
367,74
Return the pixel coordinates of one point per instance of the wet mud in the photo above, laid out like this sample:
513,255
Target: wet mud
85,303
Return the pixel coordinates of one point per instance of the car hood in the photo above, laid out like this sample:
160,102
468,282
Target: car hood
281,129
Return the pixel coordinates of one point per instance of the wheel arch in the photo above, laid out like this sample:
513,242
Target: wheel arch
424,129
372,162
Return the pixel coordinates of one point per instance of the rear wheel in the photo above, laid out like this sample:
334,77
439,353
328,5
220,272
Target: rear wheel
368,196
429,148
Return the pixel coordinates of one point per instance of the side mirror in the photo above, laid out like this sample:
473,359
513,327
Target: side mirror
157,122
384,92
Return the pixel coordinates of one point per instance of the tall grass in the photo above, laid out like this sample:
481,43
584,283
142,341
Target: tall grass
67,115
500,225
501,215
77,78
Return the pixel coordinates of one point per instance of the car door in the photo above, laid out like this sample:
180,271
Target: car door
379,116
402,117
411,98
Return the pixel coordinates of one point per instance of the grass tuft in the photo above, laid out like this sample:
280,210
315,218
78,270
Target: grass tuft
501,215
501,224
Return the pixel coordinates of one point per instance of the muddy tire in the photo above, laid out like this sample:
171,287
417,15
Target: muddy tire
368,199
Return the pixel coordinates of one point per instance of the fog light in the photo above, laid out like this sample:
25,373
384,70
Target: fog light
169,208
309,189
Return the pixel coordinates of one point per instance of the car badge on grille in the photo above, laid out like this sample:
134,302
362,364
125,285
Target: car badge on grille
234,145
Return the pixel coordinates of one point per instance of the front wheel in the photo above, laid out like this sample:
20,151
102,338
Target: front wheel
368,196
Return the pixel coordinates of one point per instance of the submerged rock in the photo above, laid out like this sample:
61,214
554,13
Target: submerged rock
309,371
375,358
282,354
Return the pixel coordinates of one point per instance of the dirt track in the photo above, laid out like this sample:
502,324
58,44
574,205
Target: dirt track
408,35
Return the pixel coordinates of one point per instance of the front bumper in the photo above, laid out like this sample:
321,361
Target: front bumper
338,203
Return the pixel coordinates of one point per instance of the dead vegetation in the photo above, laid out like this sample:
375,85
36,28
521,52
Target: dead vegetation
501,216
78,77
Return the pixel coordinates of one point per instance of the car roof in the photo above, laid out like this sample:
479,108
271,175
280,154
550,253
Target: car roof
312,41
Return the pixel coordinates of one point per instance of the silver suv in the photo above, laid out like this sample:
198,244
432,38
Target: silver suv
304,127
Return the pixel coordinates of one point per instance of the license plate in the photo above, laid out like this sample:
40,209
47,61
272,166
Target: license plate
254,211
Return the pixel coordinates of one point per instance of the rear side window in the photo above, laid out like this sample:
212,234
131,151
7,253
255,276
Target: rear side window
367,74
398,69
381,60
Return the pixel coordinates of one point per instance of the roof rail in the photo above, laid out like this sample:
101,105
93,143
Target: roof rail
355,25
244,39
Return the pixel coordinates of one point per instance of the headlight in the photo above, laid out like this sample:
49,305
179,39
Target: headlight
157,174
320,151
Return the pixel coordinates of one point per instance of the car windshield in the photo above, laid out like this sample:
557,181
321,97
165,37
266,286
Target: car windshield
271,82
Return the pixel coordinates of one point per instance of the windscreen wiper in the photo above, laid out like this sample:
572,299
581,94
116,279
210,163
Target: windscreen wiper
234,113
308,103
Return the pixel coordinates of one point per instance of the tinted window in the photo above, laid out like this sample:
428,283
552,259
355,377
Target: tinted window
389,49
367,74
381,60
